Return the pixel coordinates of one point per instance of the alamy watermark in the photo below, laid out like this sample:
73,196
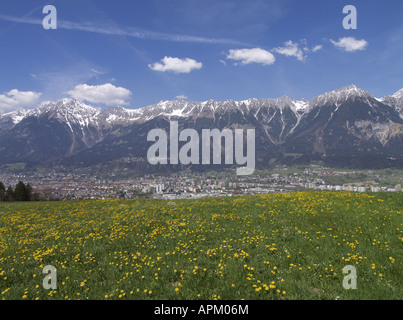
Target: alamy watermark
50,21
50,281
350,280
350,21
189,153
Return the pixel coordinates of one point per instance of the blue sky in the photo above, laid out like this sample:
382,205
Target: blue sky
137,53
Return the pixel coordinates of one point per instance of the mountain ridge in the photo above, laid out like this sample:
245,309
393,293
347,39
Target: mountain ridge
348,122
334,96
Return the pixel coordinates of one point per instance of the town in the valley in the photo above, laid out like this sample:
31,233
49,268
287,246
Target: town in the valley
54,185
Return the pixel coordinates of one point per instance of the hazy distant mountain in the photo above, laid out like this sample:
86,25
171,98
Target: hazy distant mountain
345,127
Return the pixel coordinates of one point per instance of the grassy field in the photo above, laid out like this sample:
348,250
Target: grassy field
281,246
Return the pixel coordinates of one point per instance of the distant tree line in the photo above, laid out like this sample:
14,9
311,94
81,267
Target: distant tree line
21,192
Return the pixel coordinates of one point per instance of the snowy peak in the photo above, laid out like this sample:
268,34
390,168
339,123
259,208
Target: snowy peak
119,115
178,108
283,102
336,97
395,101
297,105
70,111
349,91
67,106
352,90
398,95
301,105
16,116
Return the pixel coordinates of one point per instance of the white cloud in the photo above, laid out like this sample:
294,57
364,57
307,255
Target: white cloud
119,31
107,94
317,48
97,71
176,65
16,99
350,44
255,55
292,49
181,97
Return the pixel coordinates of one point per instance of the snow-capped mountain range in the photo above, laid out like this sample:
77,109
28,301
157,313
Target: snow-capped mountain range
74,111
345,121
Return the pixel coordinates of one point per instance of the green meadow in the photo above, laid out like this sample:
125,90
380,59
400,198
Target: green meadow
290,246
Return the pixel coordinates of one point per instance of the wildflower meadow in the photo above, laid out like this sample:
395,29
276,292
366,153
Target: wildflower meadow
273,247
